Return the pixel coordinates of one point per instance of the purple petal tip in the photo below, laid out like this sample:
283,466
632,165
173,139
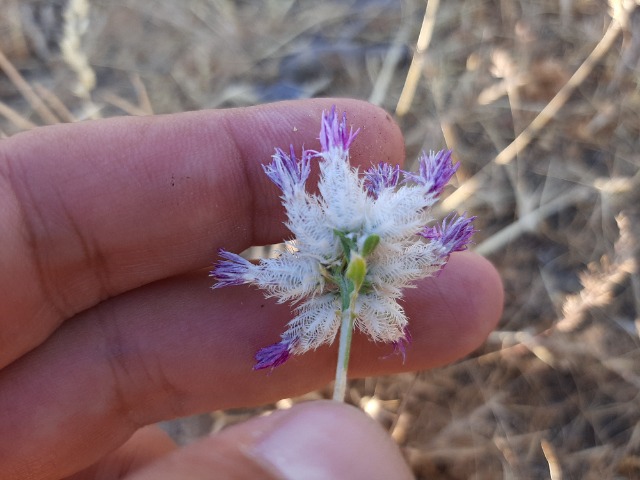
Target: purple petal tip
400,345
272,356
230,271
436,169
334,132
454,234
288,172
381,177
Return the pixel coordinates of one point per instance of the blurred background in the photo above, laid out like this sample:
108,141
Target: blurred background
540,101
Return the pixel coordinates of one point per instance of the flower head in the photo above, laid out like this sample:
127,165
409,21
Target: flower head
356,245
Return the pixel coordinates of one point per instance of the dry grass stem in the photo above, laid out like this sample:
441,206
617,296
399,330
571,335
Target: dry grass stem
144,103
76,18
555,470
54,103
124,105
530,222
548,113
27,91
16,118
415,69
552,108
390,65
601,280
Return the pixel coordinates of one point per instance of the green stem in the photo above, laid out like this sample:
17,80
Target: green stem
344,349
350,284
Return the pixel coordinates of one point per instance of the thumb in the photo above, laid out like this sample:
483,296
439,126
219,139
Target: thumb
315,440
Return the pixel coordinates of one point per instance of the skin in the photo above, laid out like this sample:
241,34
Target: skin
107,323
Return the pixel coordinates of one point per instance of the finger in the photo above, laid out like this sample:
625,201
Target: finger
94,209
175,348
313,440
145,446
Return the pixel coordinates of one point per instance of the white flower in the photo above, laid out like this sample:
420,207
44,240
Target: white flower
381,216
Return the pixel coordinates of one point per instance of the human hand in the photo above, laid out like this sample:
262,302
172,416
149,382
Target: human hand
106,321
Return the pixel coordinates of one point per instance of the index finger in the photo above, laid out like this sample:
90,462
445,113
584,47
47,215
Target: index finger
95,209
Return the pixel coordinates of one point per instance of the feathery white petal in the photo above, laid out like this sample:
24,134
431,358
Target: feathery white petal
308,223
290,276
380,317
317,322
344,199
397,266
398,214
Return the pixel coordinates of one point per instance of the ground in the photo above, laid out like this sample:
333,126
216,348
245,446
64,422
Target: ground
539,101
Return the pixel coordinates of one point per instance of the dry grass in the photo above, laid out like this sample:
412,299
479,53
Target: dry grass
540,102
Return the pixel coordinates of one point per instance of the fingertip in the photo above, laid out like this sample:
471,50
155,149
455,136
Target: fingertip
331,440
470,299
481,296
312,440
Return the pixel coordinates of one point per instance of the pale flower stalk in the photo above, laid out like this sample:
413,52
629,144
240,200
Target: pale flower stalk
356,246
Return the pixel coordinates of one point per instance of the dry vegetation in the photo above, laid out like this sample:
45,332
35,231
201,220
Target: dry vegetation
540,101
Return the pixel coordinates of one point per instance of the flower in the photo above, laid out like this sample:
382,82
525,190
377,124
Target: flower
357,244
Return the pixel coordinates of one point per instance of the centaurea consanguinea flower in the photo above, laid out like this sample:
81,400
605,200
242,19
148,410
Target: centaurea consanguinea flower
356,245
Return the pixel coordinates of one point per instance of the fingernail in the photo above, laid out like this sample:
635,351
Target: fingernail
322,440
